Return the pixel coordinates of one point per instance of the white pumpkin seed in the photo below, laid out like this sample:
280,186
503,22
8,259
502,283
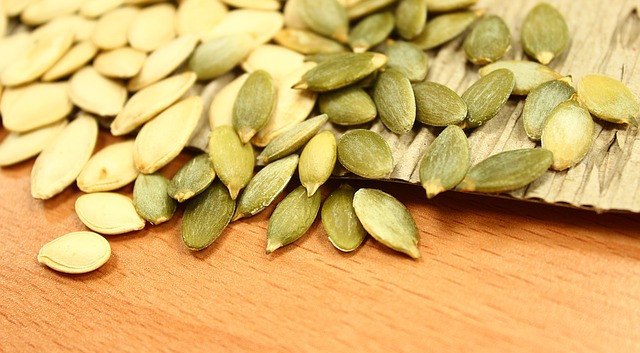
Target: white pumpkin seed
108,213
199,16
97,8
34,105
75,253
42,11
153,27
109,169
17,147
221,109
122,62
80,27
77,57
112,28
95,93
261,26
276,60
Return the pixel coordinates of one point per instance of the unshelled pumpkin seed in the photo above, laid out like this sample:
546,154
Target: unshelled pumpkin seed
292,218
278,61
340,221
112,28
292,140
221,109
232,160
341,71
487,96
151,199
528,74
545,34
365,153
192,178
348,106
78,56
608,99
108,213
254,104
446,161
317,160
97,8
95,93
254,4
206,216
488,42
34,105
540,102
75,253
152,27
122,62
438,105
199,16
109,169
17,147
260,25
395,101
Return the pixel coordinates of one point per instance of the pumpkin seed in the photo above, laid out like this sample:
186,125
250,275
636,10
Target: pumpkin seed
366,7
218,56
340,221
487,96
528,74
17,147
545,34
306,42
292,140
445,28
488,42
325,17
149,31
254,105
265,186
151,199
42,11
108,213
97,8
14,47
341,71
507,171
254,4
371,31
199,16
77,252
292,17
292,218
365,153
348,106
608,99
15,7
260,25
317,161
35,105
540,102
322,57
112,28
446,161
395,101
75,58
276,60
109,169
438,105
408,59
387,220
232,160
194,176
95,93
221,109
449,5
411,17
122,62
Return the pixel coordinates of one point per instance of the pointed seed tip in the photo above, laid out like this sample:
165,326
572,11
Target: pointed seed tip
545,57
302,84
271,247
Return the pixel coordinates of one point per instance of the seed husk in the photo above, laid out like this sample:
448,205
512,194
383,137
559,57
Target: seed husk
292,140
97,8
206,216
408,59
411,17
221,109
325,17
387,220
568,134
487,96
74,59
317,160
545,34
161,140
341,71
75,253
254,105
80,27
34,105
278,61
232,160
366,7
151,199
307,42
449,5
528,74
507,171
254,4
371,31
109,169
95,93
17,147
540,102
59,164
190,180
108,213
608,99
39,12
265,186
444,28
365,153
122,62
340,221
348,106
112,28
438,105
217,56
199,16
149,31
14,47
292,218
488,42
446,161
395,101
260,25
15,7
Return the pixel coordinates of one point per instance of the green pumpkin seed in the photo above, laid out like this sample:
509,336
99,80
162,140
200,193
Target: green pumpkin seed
367,7
371,31
292,140
528,74
568,134
488,42
265,186
340,221
545,34
608,99
387,220
507,171
232,160
218,56
449,5
293,217
408,59
445,28
341,71
365,153
151,200
540,102
307,42
325,17
438,105
348,106
487,96
446,161
395,101
411,17
254,105
194,176
206,216
317,160
322,57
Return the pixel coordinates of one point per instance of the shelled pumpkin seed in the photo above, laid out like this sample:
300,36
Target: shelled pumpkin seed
446,161
487,96
541,101
545,34
408,59
341,71
528,74
395,101
445,28
488,42
411,17
371,31
365,153
348,106
438,105
254,104
151,198
292,218
340,221
206,216
232,160
325,17
306,42
190,180
292,140
317,161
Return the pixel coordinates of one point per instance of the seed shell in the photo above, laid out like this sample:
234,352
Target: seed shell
528,74
545,34
151,199
232,160
340,221
411,17
79,27
221,109
254,105
260,25
108,213
109,169
292,140
608,99
371,31
438,105
278,61
341,71
34,105
317,160
348,106
395,101
97,8
17,147
42,11
194,176
75,253
122,62
325,17
95,93
307,42
112,28
446,161
408,59
488,42
199,16
540,102
487,96
217,56
365,153
444,28
149,30
77,57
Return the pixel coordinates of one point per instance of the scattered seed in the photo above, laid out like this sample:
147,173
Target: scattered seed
540,102
108,213
340,221
545,34
197,17
365,153
608,99
74,59
317,160
278,61
149,30
112,28
122,62
325,17
151,199
528,74
194,176
75,253
95,93
446,161
488,42
34,105
487,96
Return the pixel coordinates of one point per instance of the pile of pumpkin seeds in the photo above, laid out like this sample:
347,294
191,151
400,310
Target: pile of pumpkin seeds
130,66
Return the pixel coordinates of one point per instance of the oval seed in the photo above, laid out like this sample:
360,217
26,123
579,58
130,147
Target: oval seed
507,171
395,101
387,220
446,161
408,59
292,15
540,102
216,57
366,7
568,134
35,105
77,252
317,160
17,147
112,28
325,17
292,218
411,17
608,99
545,34
487,96
260,25
449,5
194,176
306,42
74,59
341,71
199,16
42,11
265,186
232,160
371,31
95,93
59,164
340,221
153,27
445,28
254,105
109,169
488,42
292,140
81,28
365,153
122,62
348,106
14,47
108,213
528,74
438,105
276,60
97,8
151,199
221,109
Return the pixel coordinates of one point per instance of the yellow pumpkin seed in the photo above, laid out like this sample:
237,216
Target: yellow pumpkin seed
42,11
77,57
112,28
276,60
254,4
108,213
75,253
17,147
95,93
152,27
608,99
199,16
306,42
34,105
122,62
97,8
221,109
109,169
260,25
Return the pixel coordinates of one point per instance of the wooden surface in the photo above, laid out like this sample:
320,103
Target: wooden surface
496,275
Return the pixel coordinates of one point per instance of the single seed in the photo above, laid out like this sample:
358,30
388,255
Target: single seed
395,101
42,11
540,102
292,140
77,252
218,56
80,27
306,42
545,34
97,8
446,161
151,199
112,28
122,62
95,93
109,169
260,25
348,106
340,221
194,176
487,96
325,17
366,7
341,71
528,74
608,99
278,61
444,28
149,30
17,147
77,57
292,218
221,109
365,153
411,17
232,160
408,59
488,42
371,31
438,105
199,16
449,5
108,213
254,105
34,105
317,160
